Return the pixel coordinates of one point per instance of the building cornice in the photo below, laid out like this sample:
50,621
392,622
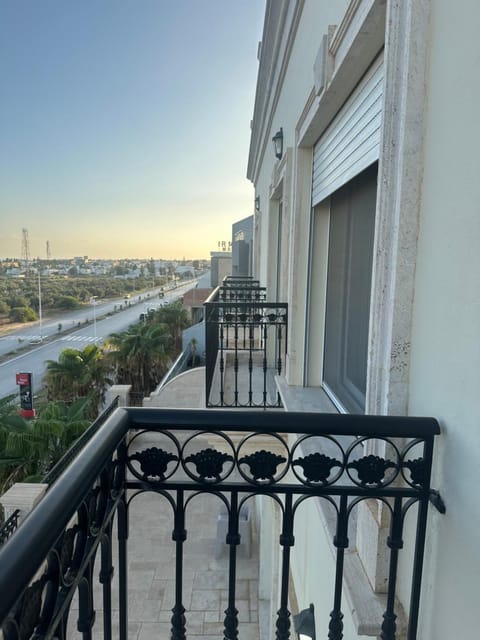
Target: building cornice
351,49
281,23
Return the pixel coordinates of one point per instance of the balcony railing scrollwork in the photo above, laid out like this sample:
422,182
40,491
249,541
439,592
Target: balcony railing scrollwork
233,456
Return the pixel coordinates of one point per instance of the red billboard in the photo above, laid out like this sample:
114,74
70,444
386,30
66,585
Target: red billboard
24,381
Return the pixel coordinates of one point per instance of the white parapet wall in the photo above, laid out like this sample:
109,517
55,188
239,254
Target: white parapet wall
185,391
23,496
120,390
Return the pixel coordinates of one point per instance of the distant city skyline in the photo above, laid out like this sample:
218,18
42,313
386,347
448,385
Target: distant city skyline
35,259
125,125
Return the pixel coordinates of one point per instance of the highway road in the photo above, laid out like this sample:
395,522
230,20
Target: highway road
34,359
35,333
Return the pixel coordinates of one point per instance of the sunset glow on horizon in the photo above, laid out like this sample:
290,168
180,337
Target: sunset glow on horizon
126,129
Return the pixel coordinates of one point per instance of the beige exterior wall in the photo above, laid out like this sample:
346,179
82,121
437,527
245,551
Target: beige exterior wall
445,362
424,356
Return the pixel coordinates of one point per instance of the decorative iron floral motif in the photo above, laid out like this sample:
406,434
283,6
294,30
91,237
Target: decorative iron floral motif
229,317
417,470
271,317
262,464
92,504
317,467
29,615
154,462
371,469
66,552
209,463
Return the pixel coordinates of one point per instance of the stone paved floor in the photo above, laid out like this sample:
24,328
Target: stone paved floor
151,562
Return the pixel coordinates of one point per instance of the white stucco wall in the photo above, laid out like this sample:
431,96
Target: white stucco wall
444,377
314,572
299,81
445,364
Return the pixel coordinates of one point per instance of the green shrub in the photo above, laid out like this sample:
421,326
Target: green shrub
22,314
68,302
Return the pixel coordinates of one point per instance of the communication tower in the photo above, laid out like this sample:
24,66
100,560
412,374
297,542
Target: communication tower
25,250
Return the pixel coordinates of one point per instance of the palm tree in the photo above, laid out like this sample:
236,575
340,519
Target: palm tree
78,374
194,359
30,448
57,427
141,355
175,316
10,423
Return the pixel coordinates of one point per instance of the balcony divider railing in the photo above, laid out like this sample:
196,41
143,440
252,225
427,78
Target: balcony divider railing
286,457
245,337
8,527
242,294
234,281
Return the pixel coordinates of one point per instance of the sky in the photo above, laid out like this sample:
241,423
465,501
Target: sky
125,125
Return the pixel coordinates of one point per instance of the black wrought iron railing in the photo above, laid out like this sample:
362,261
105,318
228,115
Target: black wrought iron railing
232,456
241,289
233,281
242,294
8,527
246,344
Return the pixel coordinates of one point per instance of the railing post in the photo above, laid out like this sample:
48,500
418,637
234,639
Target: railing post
287,540
420,543
179,535
235,362
122,528
250,362
106,575
233,539
265,363
86,612
395,543
335,628
211,343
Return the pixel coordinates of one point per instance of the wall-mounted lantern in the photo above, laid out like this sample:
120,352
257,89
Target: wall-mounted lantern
278,143
304,624
257,203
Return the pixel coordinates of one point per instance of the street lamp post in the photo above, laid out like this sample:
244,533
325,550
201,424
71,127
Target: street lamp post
93,301
39,306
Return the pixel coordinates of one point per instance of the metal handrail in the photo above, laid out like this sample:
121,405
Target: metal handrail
177,367
24,553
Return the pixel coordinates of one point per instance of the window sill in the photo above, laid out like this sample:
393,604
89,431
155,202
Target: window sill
365,606
311,399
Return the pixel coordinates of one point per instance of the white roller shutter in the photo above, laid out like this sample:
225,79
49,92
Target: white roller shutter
352,141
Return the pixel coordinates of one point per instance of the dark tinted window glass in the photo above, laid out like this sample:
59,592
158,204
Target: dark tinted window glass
350,252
